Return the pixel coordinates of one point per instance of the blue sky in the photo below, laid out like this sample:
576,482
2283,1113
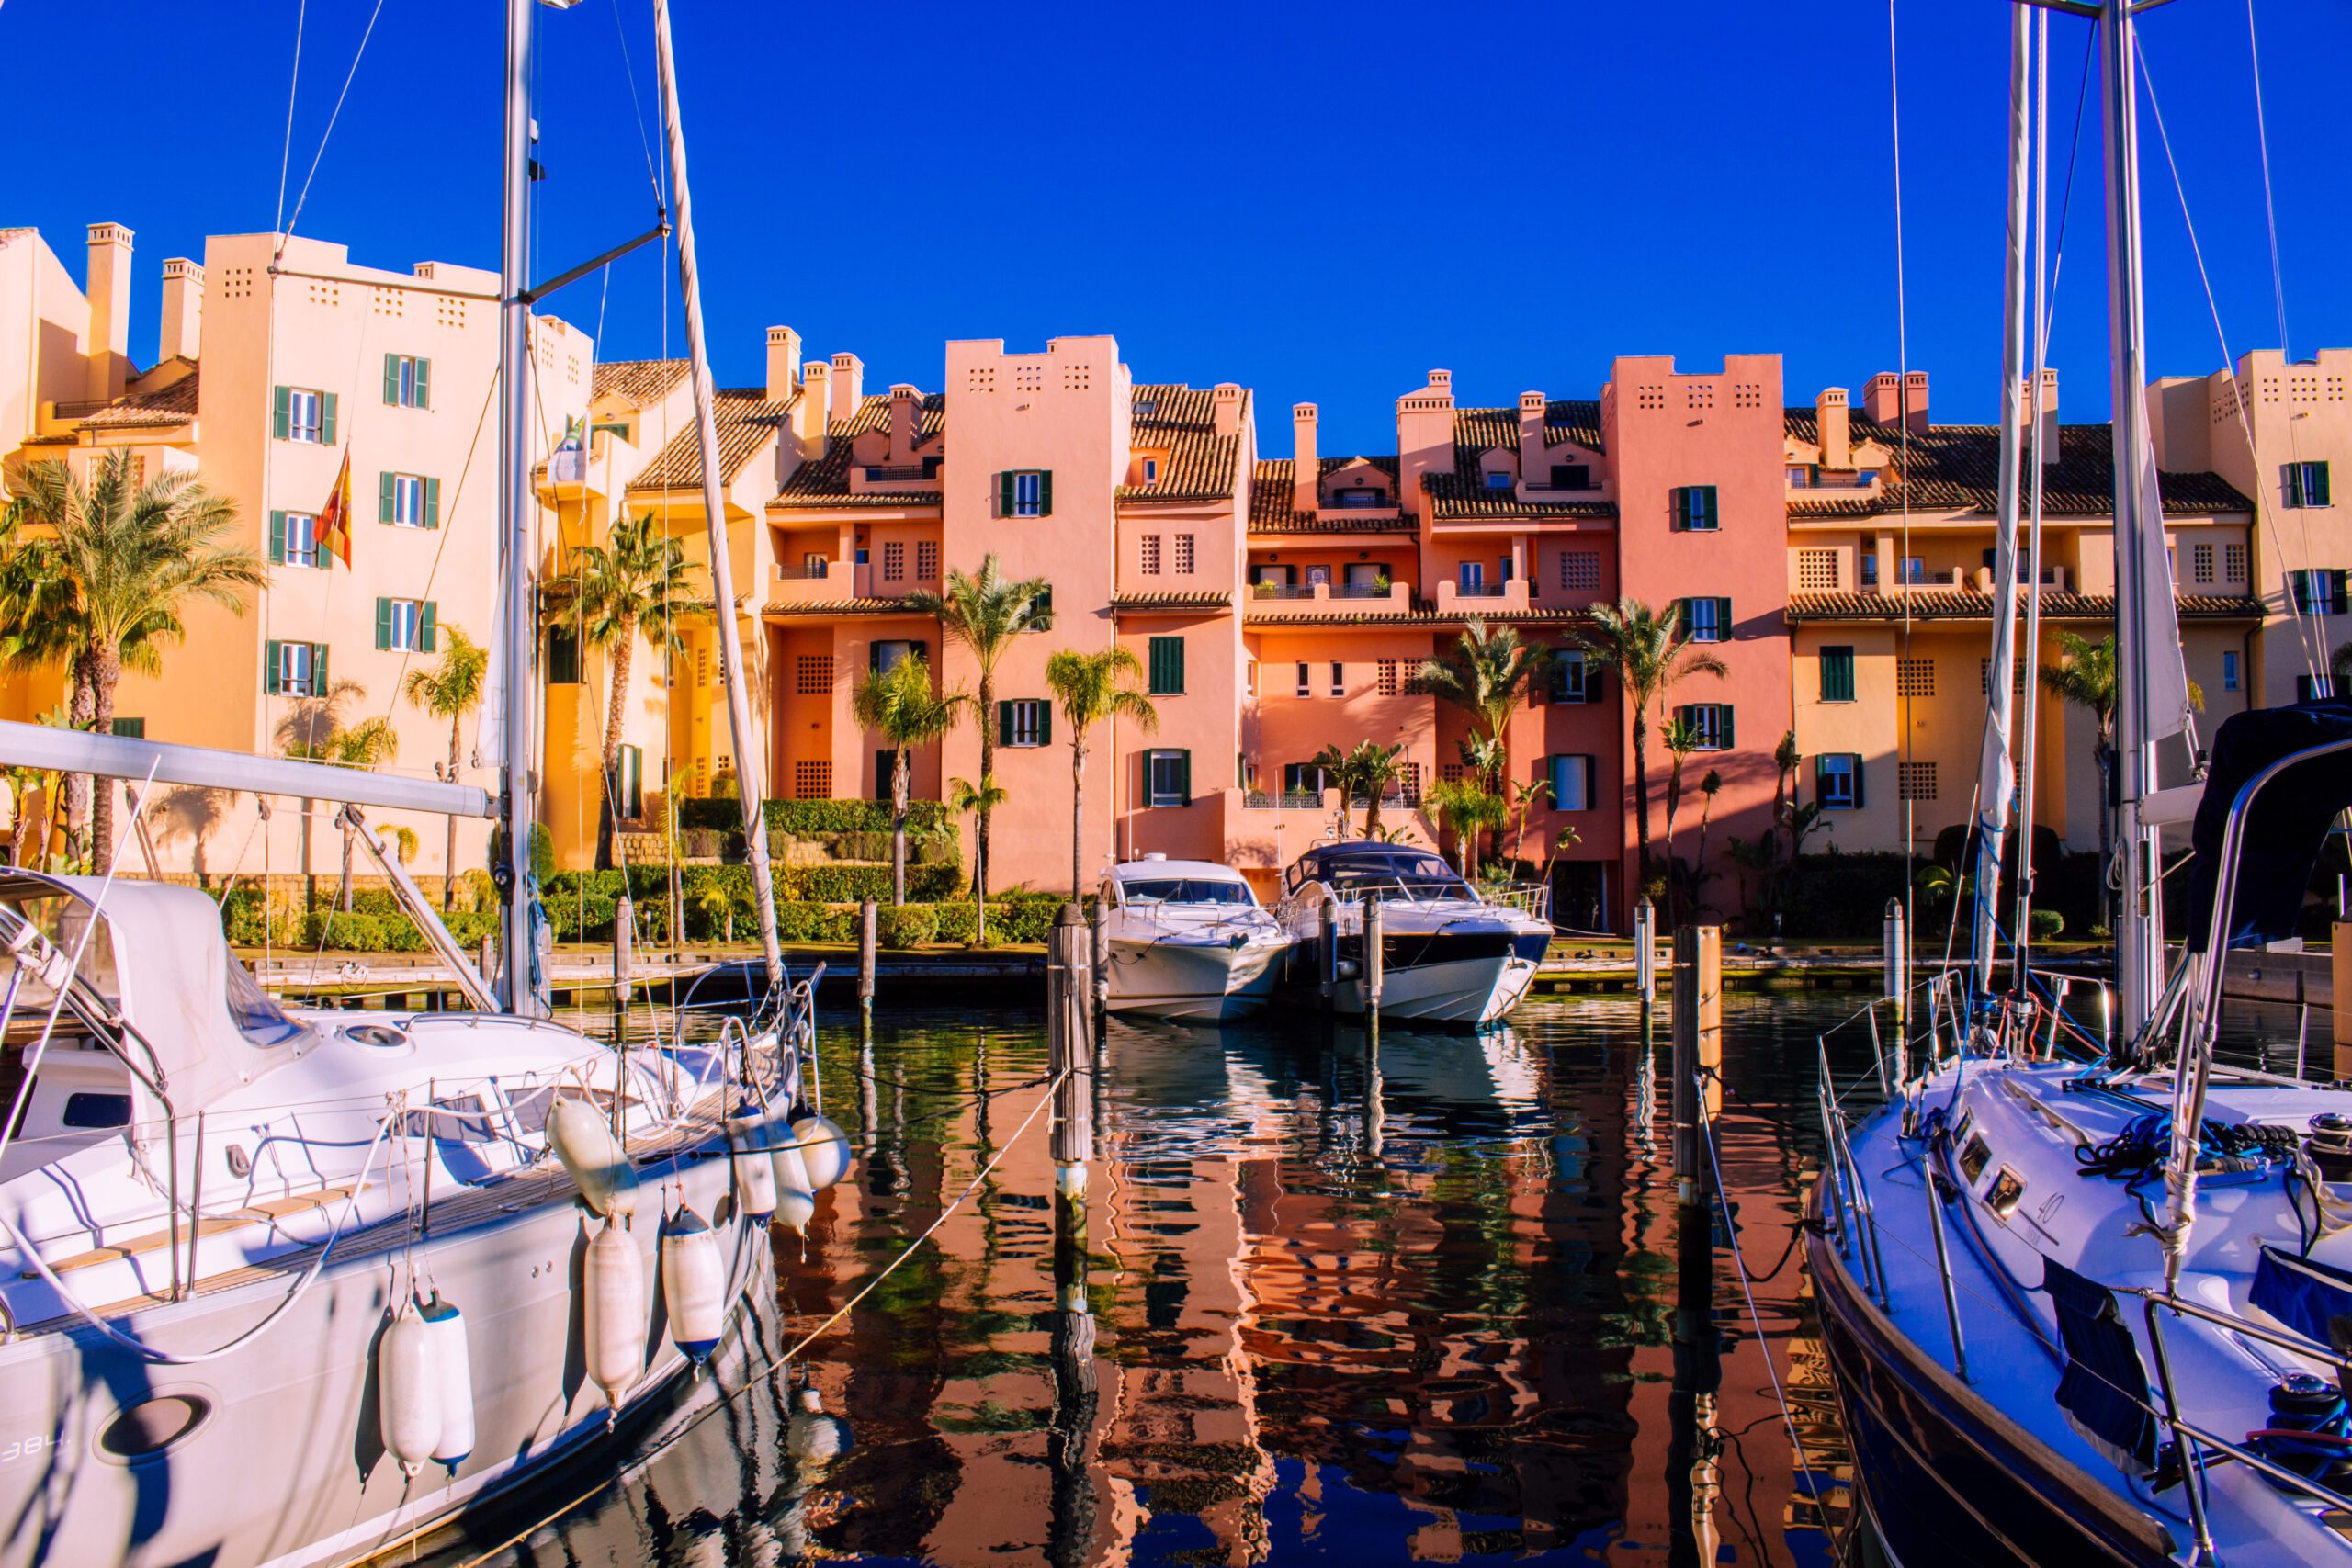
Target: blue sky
1320,202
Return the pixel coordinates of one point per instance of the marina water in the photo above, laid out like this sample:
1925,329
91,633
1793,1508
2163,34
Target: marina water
1429,1301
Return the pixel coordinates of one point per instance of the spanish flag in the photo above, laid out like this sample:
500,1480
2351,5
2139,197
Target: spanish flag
333,526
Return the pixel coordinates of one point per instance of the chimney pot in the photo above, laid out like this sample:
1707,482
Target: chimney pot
906,412
1227,399
1915,402
815,408
1306,469
784,363
106,286
848,385
1532,408
183,314
1835,421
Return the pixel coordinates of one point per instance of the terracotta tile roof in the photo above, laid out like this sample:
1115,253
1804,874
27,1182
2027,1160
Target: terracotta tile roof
1458,495
746,421
825,483
1957,467
1171,602
1182,418
1479,431
1271,496
636,382
839,607
136,409
1961,605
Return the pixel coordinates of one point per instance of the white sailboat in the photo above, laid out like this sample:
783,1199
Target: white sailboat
291,1287
2086,1303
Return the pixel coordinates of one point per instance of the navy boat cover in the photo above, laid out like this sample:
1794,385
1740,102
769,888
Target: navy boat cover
2104,1389
2313,1298
2286,826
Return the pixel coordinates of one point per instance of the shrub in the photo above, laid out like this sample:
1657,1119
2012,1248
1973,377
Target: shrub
2048,925
907,925
353,933
718,814
1841,896
811,818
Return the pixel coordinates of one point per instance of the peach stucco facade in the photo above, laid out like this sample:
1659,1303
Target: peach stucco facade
1835,554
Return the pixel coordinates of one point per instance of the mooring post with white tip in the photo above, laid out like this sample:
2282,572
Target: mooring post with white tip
1329,912
868,915
1375,960
623,937
1698,1048
1646,948
1071,1062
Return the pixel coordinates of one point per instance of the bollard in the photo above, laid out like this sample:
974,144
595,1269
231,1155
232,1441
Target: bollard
1895,959
1698,1044
1069,982
1099,932
1646,948
2340,1000
867,915
1330,912
1375,958
624,933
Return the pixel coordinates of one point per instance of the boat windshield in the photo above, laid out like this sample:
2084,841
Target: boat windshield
62,920
1408,874
1184,890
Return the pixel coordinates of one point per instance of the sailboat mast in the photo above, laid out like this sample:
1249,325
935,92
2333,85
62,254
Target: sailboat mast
520,620
749,773
2029,718
2139,721
1995,780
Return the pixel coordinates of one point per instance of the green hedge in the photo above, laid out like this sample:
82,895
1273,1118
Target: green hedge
1842,897
808,818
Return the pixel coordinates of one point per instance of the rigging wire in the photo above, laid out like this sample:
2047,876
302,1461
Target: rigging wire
293,86
328,134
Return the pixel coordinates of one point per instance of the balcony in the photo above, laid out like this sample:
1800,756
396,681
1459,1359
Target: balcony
1290,601
1455,598
818,582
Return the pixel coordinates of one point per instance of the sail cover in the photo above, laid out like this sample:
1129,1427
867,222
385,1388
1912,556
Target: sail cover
2286,829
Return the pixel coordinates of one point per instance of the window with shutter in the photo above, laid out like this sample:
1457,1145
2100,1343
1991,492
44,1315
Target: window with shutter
1710,722
1838,674
1024,721
563,657
1167,778
1166,666
1026,492
2304,484
1694,509
299,413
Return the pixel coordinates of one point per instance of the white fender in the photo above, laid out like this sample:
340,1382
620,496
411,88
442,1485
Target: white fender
584,1143
614,1313
693,1283
812,1436
795,1209
824,1150
748,1136
408,1390
447,1325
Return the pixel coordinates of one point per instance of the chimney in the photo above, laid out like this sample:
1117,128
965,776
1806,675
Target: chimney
848,385
1915,402
809,415
1227,397
1306,467
1530,439
905,415
784,363
1835,421
1882,399
2047,415
108,286
183,309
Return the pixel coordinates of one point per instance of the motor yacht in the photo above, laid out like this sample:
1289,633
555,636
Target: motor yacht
1188,940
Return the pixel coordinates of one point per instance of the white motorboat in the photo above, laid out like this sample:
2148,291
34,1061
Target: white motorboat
1188,940
1448,954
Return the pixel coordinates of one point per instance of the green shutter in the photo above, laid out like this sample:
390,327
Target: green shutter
1044,724
874,659
428,633
1682,619
1711,518
920,650
1004,724
432,504
277,537
1184,776
319,669
326,418
1678,506
1594,669
2293,473
1723,619
269,654
1004,493
384,498
281,405
391,380
1683,711
2319,484
1838,674
383,623
1046,493
1859,798
1730,739
425,383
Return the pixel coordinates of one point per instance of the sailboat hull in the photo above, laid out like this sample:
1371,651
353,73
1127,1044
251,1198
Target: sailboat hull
1947,1478
285,1466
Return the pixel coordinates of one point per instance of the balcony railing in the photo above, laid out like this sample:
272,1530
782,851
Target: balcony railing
1481,589
1360,590
1281,591
803,573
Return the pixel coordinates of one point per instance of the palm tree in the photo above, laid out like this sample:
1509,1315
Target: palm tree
132,557
1090,688
363,746
636,583
1489,675
966,799
1464,806
898,701
1709,787
1365,770
986,613
451,690
308,734
37,627
2085,677
1681,741
1650,652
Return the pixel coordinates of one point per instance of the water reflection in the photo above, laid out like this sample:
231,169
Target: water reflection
1427,1298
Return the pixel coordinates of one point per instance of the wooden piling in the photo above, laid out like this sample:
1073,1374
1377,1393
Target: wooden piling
1070,1058
1646,948
1698,1045
869,917
1895,957
1375,960
624,935
1330,912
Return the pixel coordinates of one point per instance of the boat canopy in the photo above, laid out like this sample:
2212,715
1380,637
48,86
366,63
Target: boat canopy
2283,834
1368,864
202,1024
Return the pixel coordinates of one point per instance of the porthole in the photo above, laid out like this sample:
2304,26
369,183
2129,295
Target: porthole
2007,1191
153,1428
1973,1158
